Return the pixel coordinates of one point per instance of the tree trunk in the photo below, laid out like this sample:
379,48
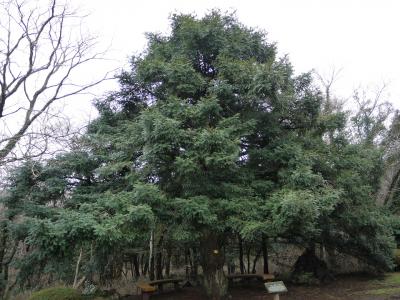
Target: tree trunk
308,262
265,254
392,190
212,262
195,262
322,252
145,265
241,263
215,283
135,265
190,260
248,259
151,269
254,271
168,262
158,262
151,257
187,271
159,266
78,263
3,249
231,267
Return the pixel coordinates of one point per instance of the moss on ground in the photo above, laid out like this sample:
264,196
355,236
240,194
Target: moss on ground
56,293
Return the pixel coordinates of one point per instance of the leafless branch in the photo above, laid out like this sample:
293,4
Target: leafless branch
40,51
372,113
331,103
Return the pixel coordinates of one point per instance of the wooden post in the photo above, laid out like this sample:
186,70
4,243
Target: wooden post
276,296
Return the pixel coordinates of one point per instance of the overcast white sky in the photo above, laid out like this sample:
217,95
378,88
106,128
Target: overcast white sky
360,37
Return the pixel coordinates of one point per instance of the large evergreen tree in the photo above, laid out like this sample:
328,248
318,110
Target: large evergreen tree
211,137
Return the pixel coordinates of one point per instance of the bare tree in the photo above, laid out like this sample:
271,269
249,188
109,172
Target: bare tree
372,116
331,102
390,181
41,49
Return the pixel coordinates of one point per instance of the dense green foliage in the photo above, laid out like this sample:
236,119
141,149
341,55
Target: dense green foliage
211,141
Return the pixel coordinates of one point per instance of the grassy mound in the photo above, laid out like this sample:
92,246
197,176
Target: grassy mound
56,293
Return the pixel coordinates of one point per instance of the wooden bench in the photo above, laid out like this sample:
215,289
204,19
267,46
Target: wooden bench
249,277
268,277
145,289
160,283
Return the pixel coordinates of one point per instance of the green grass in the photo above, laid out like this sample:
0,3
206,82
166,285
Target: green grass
392,278
56,293
64,293
388,285
380,292
388,280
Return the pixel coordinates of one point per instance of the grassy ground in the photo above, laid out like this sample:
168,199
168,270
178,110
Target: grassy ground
388,286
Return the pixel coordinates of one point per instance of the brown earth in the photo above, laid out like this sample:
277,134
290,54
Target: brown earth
346,287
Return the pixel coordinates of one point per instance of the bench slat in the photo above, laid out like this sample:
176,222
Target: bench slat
145,287
165,281
244,276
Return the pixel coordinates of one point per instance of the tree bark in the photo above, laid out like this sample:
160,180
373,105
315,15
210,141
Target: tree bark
212,262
